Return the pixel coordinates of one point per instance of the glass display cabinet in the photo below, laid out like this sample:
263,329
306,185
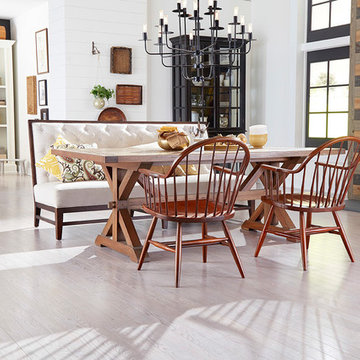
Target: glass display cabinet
219,101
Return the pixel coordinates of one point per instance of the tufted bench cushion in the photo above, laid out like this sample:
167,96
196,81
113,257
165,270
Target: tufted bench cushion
65,195
104,135
92,193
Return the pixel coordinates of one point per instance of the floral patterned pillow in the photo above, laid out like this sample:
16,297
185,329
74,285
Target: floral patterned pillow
76,169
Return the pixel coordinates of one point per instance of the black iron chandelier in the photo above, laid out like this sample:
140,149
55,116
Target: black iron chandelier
197,62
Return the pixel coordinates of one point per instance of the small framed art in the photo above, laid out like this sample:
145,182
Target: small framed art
5,29
42,51
44,114
43,99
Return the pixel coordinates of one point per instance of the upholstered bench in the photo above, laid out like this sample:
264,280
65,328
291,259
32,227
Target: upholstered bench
52,195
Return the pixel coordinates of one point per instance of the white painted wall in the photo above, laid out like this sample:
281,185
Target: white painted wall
74,25
160,90
57,60
23,30
277,69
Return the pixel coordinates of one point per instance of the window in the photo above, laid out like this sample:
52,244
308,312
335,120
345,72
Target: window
328,19
327,95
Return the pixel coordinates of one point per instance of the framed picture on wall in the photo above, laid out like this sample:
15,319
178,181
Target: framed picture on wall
43,100
42,51
44,114
5,29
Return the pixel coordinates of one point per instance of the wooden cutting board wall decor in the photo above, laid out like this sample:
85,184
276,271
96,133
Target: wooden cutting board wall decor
31,95
120,60
129,94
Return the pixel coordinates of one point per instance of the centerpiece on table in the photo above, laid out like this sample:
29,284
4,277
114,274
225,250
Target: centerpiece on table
169,138
100,93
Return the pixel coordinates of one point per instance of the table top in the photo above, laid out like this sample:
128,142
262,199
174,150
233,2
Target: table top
151,153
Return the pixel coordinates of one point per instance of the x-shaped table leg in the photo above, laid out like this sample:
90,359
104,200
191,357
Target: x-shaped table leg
119,232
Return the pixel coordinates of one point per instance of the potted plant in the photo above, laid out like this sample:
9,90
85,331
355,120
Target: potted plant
100,93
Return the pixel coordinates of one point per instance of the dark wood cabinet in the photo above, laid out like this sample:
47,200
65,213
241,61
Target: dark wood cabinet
220,101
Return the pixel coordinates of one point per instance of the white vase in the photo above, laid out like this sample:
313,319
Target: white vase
99,103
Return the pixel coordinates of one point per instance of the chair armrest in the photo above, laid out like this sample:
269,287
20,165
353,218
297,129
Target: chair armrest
219,168
148,172
282,170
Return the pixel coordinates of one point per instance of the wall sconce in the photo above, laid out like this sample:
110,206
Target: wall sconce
94,50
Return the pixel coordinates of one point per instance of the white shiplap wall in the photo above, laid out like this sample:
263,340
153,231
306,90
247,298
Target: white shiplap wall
75,24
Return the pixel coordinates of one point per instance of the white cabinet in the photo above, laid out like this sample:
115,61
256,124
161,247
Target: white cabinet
7,122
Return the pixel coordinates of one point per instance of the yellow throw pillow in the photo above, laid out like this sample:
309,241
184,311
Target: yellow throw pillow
179,171
192,169
49,162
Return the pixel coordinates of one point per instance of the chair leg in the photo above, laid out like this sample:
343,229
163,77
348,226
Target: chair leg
204,248
233,250
251,204
146,244
343,236
59,219
178,253
264,231
37,212
308,225
164,224
303,240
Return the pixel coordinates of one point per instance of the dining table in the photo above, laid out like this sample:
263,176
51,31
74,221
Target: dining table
121,171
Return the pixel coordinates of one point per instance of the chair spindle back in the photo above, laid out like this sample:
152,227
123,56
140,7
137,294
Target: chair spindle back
211,178
330,168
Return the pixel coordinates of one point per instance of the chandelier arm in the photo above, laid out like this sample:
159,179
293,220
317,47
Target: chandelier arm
249,48
150,53
165,65
174,48
159,53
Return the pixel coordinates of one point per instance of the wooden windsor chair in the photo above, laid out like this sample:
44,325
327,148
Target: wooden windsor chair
330,168
208,196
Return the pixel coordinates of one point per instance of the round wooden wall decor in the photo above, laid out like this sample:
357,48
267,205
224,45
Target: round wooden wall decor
112,114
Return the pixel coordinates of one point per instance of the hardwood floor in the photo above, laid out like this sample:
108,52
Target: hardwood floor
73,300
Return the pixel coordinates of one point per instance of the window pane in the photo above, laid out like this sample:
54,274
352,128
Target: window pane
339,72
320,16
318,73
338,125
339,98
318,1
317,125
318,100
340,12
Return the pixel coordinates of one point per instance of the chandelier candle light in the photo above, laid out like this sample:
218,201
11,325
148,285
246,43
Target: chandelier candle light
199,70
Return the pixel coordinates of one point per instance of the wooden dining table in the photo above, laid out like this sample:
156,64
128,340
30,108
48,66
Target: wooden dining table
121,170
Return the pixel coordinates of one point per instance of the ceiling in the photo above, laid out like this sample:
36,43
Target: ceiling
12,8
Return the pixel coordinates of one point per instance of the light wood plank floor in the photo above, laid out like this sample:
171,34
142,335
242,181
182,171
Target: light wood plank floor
73,300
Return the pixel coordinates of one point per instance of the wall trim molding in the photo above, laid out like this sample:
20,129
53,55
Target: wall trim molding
326,44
